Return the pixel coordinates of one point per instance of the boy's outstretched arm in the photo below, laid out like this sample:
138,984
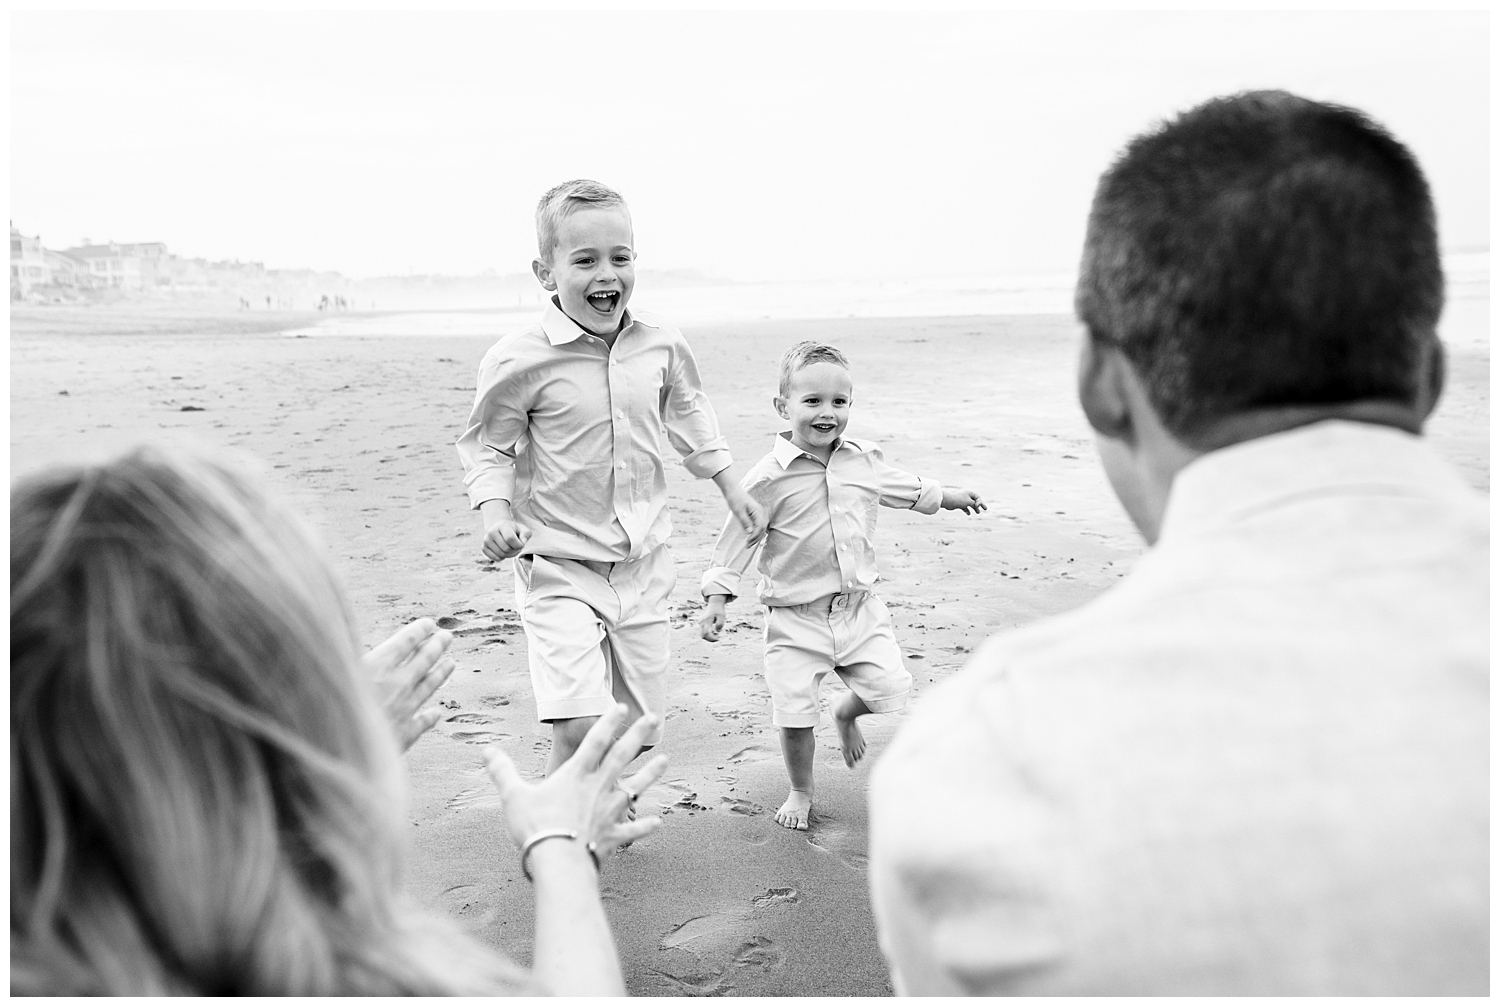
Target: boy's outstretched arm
711,622
965,500
733,553
750,514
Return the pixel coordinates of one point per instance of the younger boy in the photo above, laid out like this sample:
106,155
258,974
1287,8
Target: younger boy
563,457
821,493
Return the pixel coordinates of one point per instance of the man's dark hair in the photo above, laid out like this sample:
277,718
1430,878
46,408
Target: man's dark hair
1265,250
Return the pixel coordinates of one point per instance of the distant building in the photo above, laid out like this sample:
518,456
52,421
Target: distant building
28,264
128,267
65,271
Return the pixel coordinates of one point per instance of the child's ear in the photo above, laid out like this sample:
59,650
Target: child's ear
543,274
780,404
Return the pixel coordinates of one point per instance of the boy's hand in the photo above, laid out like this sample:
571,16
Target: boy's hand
751,515
504,538
965,500
711,622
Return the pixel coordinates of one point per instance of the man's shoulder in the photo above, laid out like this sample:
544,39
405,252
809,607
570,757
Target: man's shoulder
1043,654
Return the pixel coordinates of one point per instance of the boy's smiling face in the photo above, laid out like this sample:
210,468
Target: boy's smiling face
817,403
592,267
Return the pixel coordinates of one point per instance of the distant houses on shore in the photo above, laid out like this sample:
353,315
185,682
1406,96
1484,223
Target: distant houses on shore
44,274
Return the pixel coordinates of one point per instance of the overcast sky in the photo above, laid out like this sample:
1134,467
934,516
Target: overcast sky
749,145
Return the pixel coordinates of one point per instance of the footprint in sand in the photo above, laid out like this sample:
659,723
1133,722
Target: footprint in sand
697,982
760,951
739,806
495,700
833,839
751,753
698,931
776,897
479,737
485,796
471,718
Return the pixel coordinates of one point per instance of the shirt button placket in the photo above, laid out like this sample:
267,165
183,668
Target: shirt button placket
618,401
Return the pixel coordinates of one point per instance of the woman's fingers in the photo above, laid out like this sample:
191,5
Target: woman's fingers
627,747
597,741
401,645
640,781
502,772
620,833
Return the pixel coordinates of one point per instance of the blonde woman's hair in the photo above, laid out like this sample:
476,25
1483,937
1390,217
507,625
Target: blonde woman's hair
203,789
562,200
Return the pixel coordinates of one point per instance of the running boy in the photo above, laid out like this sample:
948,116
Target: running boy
821,492
563,457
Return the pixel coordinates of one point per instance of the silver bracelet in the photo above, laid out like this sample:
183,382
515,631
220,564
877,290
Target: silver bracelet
552,834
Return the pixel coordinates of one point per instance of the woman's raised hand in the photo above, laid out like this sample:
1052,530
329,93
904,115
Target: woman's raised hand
585,794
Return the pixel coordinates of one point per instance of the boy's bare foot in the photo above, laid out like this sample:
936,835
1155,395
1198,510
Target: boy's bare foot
851,738
796,812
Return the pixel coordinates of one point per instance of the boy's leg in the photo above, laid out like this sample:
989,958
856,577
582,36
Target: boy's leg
797,747
638,634
869,662
798,645
851,739
567,735
560,603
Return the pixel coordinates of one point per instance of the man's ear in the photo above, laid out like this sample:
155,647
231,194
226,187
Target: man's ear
1102,390
1437,374
780,404
543,274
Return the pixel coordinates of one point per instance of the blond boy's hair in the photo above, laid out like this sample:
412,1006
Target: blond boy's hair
561,201
805,354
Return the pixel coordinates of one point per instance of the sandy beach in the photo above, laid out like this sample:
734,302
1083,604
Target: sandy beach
359,432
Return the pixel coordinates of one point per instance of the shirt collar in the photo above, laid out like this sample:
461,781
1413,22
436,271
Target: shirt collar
786,452
560,329
1330,457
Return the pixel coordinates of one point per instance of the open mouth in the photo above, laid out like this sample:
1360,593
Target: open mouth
605,301
825,428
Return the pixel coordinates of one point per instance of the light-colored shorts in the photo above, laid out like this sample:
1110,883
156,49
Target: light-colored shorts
597,634
848,634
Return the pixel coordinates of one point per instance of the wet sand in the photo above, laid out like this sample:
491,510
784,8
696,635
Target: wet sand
359,432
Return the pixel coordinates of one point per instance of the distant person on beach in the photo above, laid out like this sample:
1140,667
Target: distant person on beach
206,798
1258,765
563,457
821,492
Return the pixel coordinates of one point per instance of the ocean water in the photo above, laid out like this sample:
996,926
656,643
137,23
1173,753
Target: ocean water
731,302
1465,323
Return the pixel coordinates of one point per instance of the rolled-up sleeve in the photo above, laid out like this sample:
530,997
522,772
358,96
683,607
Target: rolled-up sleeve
903,490
689,418
733,555
496,425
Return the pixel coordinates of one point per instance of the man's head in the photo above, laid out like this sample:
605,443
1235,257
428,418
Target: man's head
816,393
585,253
1260,262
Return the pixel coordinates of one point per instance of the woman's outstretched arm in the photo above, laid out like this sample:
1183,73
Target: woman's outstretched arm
580,804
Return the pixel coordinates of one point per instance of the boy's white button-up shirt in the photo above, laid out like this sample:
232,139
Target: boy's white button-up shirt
570,432
1258,765
820,535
